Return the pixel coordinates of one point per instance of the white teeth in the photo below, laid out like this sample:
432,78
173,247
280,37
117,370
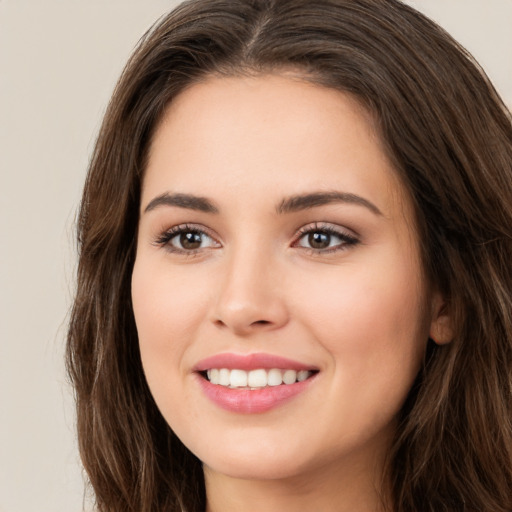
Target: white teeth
274,377
255,379
214,376
238,379
224,377
289,376
303,375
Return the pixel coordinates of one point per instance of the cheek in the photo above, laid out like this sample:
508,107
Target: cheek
371,322
168,307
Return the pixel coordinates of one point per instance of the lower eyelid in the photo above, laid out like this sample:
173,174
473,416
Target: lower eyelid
344,235
211,241
166,238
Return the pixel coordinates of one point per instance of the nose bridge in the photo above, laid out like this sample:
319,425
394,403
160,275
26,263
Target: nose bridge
250,296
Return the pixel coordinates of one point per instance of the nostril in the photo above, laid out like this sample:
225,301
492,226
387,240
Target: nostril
261,322
249,315
219,323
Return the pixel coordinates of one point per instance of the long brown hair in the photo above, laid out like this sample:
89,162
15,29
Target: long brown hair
450,138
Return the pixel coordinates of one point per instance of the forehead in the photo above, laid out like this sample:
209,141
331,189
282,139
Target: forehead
269,135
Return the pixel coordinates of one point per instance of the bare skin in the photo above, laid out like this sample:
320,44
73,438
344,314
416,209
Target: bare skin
272,222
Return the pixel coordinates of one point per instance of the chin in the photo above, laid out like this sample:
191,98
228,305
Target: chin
260,460
261,467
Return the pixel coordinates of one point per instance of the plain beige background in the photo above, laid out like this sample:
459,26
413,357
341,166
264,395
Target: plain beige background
59,60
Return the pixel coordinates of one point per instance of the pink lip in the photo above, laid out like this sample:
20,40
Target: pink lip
246,401
249,362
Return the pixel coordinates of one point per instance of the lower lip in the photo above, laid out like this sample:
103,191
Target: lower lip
246,401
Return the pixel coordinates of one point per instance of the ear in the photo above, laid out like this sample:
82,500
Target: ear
441,325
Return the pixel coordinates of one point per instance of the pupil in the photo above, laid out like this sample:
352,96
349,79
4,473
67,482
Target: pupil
318,240
190,240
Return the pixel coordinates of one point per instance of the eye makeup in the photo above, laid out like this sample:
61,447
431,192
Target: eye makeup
316,238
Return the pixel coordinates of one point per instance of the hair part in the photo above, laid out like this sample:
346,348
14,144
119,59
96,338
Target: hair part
449,137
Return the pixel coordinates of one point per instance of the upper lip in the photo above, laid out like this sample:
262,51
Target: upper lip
250,362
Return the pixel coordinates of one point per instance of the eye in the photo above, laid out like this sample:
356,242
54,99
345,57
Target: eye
186,239
324,239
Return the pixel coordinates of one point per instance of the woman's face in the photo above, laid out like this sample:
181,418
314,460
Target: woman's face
276,242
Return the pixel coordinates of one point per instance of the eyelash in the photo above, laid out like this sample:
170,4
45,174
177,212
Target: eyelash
347,240
165,239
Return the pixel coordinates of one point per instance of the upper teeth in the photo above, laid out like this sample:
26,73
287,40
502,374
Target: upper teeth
255,378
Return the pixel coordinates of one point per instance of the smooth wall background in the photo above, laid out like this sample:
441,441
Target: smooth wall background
59,60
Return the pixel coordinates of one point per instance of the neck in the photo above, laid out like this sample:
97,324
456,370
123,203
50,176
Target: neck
348,489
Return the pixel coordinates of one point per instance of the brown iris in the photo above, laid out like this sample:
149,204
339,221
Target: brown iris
319,240
191,240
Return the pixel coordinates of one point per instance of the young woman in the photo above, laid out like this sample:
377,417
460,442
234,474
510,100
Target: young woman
295,280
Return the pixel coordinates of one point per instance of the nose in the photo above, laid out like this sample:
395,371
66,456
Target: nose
251,297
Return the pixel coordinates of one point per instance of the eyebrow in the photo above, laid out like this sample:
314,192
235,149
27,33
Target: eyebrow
188,201
288,205
306,201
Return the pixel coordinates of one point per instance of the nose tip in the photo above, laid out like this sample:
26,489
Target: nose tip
250,302
243,321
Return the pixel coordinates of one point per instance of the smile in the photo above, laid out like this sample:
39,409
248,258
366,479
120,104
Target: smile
252,383
255,379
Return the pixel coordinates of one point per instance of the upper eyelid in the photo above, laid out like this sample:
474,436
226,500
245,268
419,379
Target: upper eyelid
348,237
167,234
327,226
188,226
